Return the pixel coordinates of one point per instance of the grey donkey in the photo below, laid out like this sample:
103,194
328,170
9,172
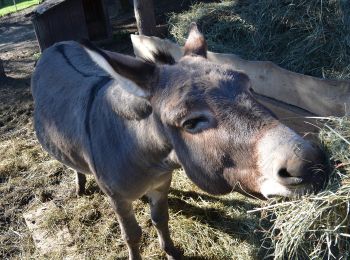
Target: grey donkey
131,122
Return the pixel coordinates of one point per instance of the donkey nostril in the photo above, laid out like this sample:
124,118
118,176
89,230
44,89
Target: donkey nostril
283,173
286,178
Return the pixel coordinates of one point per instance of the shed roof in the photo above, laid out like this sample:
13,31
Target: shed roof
48,4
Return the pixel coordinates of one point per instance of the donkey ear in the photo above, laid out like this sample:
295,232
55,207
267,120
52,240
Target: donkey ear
134,75
195,43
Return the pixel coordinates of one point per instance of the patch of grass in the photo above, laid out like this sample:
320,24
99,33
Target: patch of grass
7,6
121,35
310,37
317,226
36,56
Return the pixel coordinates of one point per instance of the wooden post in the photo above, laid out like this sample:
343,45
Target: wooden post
145,18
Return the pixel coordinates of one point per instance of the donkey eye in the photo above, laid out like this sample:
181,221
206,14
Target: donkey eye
194,125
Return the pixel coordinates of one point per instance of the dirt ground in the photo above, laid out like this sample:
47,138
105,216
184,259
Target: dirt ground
18,50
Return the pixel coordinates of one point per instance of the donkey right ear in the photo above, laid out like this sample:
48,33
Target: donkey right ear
195,43
135,75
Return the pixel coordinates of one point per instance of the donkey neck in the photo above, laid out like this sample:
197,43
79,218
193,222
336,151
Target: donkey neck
132,127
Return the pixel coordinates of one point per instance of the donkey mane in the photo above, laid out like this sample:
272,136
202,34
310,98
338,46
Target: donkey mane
161,56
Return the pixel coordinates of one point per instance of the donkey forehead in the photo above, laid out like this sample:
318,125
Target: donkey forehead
199,66
193,75
194,83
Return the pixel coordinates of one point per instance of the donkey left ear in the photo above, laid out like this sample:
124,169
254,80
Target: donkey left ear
135,75
195,43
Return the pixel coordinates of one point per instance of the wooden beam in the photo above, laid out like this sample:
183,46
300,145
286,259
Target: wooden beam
318,96
145,18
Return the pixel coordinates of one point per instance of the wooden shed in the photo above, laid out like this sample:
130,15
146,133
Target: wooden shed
61,20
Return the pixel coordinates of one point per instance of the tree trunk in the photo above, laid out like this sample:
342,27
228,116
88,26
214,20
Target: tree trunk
145,19
2,70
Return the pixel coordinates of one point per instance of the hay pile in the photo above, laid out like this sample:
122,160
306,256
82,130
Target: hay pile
310,37
307,36
317,226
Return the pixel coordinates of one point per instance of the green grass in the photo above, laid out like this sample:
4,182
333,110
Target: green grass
8,7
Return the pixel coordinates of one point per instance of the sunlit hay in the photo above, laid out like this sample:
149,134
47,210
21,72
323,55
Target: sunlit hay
212,227
310,37
307,36
28,176
201,225
317,226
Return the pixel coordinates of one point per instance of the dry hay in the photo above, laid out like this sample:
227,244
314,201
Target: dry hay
310,37
307,36
317,226
202,225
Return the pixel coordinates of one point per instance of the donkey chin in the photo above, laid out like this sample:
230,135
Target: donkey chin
290,165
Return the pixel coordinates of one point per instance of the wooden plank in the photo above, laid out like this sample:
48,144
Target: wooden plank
145,17
297,119
319,96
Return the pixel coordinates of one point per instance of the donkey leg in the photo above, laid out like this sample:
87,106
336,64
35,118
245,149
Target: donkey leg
160,218
130,229
80,183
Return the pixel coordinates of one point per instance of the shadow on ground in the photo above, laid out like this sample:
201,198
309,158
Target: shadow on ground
244,228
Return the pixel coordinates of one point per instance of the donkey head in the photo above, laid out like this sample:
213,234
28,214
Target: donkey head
223,138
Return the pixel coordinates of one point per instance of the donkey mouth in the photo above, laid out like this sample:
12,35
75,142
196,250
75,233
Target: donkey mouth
292,182
296,188
302,190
